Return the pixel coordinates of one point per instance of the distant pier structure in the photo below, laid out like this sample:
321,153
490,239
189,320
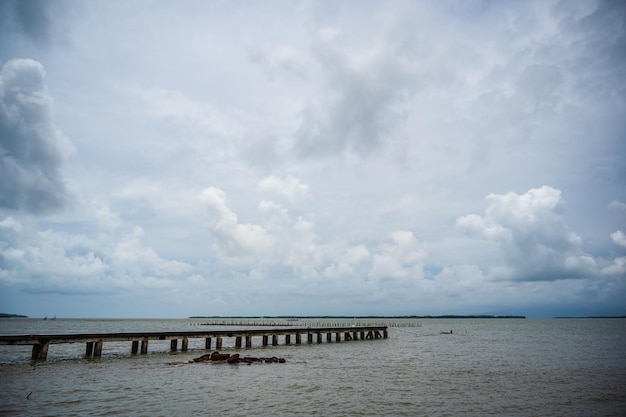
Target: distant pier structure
139,340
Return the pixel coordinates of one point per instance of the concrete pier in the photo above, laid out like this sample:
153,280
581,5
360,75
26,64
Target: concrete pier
94,341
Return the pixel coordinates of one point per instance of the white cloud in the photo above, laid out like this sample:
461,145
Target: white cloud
534,238
617,268
236,242
57,262
11,223
398,260
291,187
619,238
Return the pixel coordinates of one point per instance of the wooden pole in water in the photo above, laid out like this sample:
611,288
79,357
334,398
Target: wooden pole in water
173,345
185,345
274,339
134,347
248,341
144,346
207,343
218,343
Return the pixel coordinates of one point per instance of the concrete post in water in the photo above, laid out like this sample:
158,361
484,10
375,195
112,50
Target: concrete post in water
185,345
134,347
89,349
218,343
265,338
238,342
298,338
309,338
173,345
248,341
40,350
337,337
97,348
207,343
275,339
144,346
329,337
287,339
319,337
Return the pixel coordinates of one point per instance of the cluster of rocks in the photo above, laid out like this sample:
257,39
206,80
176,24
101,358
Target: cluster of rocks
217,357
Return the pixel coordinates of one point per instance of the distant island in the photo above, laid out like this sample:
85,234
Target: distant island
450,316
6,315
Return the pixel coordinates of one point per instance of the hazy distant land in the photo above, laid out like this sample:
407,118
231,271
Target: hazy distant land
480,316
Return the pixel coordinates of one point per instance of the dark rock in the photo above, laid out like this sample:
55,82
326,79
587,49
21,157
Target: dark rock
216,356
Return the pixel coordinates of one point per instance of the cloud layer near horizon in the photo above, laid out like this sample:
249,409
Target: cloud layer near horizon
308,158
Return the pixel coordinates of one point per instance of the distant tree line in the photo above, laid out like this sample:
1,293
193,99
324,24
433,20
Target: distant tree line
6,315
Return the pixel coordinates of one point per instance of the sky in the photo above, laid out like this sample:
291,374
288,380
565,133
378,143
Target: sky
176,159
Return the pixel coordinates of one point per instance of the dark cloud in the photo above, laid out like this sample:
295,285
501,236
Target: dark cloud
361,102
29,17
31,148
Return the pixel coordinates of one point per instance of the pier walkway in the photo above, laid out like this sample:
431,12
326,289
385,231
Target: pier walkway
94,341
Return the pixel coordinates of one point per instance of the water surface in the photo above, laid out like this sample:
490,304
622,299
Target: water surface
500,367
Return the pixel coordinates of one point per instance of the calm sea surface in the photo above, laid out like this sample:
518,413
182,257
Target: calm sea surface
487,367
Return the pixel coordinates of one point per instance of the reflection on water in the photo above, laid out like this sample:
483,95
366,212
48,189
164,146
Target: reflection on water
486,367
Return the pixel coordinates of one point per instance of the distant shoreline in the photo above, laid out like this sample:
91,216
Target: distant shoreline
6,315
591,317
481,316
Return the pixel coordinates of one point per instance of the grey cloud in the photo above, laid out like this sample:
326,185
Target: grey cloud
29,17
32,149
360,103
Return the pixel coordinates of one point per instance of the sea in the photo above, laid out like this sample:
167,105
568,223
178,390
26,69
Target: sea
485,367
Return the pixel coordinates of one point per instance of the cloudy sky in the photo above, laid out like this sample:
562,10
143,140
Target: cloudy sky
169,159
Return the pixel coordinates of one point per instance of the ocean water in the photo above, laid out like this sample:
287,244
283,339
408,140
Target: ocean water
486,367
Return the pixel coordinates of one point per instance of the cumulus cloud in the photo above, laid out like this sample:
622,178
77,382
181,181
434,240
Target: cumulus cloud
398,260
618,267
291,187
133,264
11,223
619,238
535,240
32,149
237,242
58,262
